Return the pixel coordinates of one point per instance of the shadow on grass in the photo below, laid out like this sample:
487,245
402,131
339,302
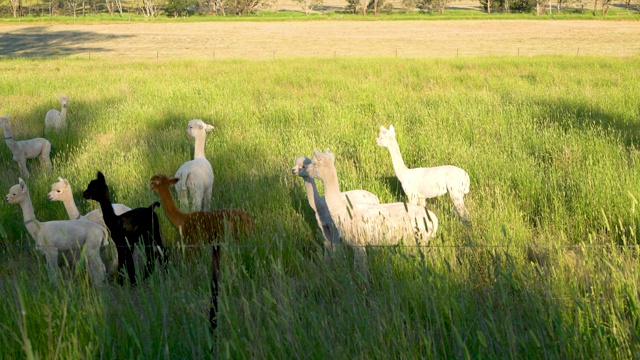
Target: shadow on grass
41,41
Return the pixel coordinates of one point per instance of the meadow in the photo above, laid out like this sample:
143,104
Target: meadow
547,269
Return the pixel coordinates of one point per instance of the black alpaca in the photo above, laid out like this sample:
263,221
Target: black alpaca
129,228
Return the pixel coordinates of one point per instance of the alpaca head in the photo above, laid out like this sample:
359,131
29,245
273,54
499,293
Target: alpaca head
300,166
17,193
60,190
64,100
197,126
159,181
97,189
322,165
386,136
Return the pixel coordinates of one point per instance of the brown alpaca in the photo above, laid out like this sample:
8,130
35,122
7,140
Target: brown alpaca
203,227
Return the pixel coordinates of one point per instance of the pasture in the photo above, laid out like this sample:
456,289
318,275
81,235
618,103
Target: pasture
548,267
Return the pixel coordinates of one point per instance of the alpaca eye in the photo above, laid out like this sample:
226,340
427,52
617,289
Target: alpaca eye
58,191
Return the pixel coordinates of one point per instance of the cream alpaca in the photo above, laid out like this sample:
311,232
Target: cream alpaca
420,184
370,224
54,236
26,149
61,191
57,119
319,205
196,176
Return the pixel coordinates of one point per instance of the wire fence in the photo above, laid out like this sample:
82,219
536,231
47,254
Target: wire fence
291,53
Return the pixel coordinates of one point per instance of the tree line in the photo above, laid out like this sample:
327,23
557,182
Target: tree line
180,8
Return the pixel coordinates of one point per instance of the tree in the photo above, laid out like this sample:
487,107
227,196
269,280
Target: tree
178,8
432,5
308,5
15,5
241,7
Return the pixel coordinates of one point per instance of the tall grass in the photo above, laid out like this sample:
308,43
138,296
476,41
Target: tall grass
547,269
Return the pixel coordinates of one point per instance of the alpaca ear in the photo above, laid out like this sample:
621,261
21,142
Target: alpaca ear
66,182
173,181
22,184
383,129
100,176
391,128
316,151
60,179
208,127
328,151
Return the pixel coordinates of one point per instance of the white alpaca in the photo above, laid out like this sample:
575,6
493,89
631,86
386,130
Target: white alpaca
54,236
420,184
370,224
319,205
26,149
61,191
57,119
196,176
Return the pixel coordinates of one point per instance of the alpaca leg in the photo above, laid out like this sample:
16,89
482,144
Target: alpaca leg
197,198
51,255
96,266
206,201
360,260
22,166
45,156
160,251
215,278
125,260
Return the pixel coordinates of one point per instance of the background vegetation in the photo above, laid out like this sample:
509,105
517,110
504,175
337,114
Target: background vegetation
549,267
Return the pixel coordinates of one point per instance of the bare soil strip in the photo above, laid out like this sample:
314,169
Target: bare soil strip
264,40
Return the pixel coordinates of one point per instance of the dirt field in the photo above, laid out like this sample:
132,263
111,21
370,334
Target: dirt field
255,40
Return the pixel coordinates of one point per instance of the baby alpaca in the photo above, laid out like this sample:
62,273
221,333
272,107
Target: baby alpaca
140,224
26,149
196,176
54,236
55,119
319,205
61,191
203,227
370,224
420,184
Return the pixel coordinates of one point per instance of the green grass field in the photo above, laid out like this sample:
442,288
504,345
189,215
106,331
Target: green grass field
548,268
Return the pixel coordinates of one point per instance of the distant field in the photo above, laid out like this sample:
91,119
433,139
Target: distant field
286,39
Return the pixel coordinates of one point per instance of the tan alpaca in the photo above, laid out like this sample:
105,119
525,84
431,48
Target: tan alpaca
57,119
319,205
420,184
196,176
370,224
54,236
26,149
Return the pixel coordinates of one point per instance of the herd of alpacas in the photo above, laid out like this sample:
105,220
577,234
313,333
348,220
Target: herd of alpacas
109,235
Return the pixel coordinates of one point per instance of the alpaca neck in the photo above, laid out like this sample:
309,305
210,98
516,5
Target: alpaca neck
70,206
332,195
312,192
63,113
30,221
396,158
198,151
8,139
174,214
107,210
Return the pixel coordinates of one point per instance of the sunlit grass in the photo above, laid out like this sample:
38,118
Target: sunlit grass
549,265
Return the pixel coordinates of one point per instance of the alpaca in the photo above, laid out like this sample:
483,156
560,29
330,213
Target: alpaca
61,191
420,184
57,119
203,227
196,176
54,236
26,149
370,224
139,224
319,205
